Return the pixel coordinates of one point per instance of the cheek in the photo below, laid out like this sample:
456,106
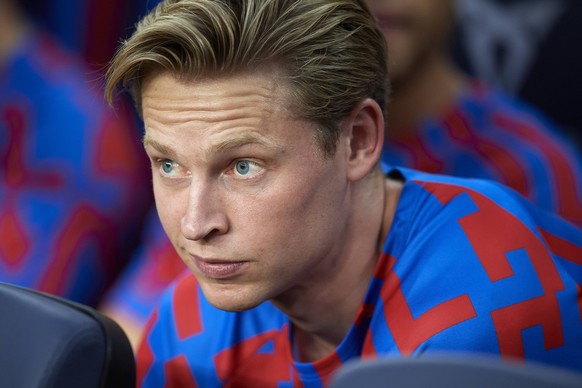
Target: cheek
300,209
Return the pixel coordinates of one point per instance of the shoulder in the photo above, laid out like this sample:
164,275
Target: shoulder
449,195
481,227
476,264
442,198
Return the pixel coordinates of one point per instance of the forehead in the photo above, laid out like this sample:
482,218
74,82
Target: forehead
177,100
167,97
269,86
211,112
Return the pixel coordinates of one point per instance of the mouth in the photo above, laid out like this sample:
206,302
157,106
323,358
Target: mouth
217,268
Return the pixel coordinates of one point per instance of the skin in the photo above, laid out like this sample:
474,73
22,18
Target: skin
424,80
255,210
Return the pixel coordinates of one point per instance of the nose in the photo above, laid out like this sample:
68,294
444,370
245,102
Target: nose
204,216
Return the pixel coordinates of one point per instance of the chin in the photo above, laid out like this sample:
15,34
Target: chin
231,300
232,307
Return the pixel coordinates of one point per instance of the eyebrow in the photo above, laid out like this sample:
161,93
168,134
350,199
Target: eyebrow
225,146
161,148
243,140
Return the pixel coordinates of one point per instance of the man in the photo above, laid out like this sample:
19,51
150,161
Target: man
439,121
264,128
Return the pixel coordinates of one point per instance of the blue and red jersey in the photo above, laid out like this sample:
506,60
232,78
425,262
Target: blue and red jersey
490,135
468,266
73,177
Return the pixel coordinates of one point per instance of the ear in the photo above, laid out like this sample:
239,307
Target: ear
364,130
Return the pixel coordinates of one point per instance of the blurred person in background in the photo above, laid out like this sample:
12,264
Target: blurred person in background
530,49
73,193
441,121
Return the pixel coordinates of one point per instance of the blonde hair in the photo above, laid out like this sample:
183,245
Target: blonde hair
330,51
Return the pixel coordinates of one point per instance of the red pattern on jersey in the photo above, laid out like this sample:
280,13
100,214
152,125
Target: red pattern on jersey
84,223
162,266
13,163
117,133
242,365
510,235
499,157
369,351
178,373
410,332
326,368
186,308
511,320
565,249
569,202
14,241
421,157
145,355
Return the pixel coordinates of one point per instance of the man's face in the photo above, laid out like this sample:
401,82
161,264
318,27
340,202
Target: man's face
241,188
414,30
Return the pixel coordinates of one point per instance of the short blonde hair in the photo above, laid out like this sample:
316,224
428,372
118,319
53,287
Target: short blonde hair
330,51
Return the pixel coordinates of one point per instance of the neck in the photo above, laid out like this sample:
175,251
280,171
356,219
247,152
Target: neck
429,91
13,25
323,314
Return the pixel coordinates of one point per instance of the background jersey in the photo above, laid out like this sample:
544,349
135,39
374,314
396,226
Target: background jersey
73,176
490,135
154,265
90,28
468,266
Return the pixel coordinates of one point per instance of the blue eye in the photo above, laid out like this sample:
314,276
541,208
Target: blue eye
242,167
167,166
246,169
168,169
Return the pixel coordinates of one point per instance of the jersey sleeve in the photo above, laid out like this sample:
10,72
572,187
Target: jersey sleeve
473,267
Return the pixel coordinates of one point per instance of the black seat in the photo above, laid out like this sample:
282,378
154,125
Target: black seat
47,342
453,371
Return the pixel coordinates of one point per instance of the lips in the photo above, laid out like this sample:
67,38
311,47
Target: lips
219,269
